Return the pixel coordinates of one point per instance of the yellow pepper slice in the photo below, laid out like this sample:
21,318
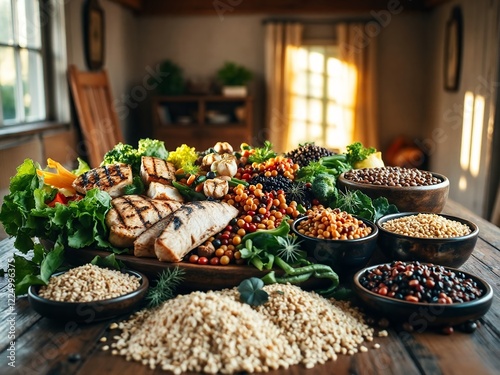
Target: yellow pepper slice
62,179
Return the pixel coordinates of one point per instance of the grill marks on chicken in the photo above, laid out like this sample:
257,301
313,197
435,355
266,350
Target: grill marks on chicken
111,178
190,226
157,170
133,214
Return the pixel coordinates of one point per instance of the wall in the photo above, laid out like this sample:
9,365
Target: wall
121,44
402,64
479,75
200,45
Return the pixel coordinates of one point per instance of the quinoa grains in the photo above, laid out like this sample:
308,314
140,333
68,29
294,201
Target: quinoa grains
89,283
426,226
214,332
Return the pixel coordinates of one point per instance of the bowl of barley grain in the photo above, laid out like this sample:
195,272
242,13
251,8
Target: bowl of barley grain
89,293
427,237
410,189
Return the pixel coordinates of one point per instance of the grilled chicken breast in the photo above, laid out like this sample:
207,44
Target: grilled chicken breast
190,226
133,214
144,245
156,170
157,190
111,178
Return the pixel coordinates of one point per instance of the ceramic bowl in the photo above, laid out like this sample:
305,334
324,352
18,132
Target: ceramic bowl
422,314
342,255
451,252
431,198
88,312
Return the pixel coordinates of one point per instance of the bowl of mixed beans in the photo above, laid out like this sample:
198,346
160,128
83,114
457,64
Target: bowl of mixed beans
427,237
410,189
422,294
343,241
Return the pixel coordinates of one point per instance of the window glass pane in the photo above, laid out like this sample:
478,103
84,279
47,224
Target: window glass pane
315,113
316,85
8,83
32,76
6,34
299,106
316,62
28,14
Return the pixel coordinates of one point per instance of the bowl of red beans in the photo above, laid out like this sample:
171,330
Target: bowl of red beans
427,237
343,241
410,189
422,294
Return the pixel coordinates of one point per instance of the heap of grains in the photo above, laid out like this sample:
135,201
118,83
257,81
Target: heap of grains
214,332
89,283
426,226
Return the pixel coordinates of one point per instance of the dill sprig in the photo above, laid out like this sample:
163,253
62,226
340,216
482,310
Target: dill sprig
165,287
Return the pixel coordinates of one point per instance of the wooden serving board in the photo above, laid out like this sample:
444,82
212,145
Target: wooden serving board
197,277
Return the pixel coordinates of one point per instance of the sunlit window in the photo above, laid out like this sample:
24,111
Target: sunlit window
472,133
323,98
22,93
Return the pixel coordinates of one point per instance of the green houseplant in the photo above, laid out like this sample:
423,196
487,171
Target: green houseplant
234,78
173,82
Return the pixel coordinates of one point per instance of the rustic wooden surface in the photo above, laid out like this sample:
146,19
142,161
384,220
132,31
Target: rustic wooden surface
43,346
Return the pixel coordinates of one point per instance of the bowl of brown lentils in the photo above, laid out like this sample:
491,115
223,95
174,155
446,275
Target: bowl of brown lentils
89,293
343,241
410,189
427,237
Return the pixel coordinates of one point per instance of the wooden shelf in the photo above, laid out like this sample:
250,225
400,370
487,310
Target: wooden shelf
199,131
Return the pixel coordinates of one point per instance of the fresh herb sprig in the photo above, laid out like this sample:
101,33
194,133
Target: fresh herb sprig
261,154
165,287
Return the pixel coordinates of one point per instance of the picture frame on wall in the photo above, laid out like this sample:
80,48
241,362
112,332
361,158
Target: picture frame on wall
93,34
453,50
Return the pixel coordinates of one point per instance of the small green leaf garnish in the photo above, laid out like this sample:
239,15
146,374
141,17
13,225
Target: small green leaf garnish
109,261
251,292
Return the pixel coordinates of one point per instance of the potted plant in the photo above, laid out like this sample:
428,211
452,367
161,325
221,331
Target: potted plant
173,83
234,79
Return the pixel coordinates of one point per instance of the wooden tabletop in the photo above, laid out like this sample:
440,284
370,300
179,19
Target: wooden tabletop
36,345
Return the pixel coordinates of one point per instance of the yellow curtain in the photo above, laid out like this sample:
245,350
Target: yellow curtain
281,44
357,50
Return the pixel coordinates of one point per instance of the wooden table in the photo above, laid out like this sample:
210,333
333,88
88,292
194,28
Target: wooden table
43,346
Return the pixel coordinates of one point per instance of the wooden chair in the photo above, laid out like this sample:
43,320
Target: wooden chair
94,106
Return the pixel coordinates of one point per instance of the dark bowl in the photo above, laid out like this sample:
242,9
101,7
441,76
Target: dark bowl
422,315
342,255
431,198
451,252
88,312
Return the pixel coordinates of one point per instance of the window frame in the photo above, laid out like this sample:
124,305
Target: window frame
54,67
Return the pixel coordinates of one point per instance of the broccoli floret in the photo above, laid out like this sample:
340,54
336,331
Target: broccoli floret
123,153
324,188
152,147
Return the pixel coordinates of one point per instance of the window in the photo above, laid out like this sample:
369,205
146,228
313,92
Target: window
22,89
323,97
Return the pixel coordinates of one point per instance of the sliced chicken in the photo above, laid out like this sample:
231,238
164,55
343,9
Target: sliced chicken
190,226
111,178
157,170
144,245
133,214
157,190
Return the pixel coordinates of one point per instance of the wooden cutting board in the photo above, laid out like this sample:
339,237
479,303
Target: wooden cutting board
197,277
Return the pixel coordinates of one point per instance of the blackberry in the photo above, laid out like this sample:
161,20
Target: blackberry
307,153
272,183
